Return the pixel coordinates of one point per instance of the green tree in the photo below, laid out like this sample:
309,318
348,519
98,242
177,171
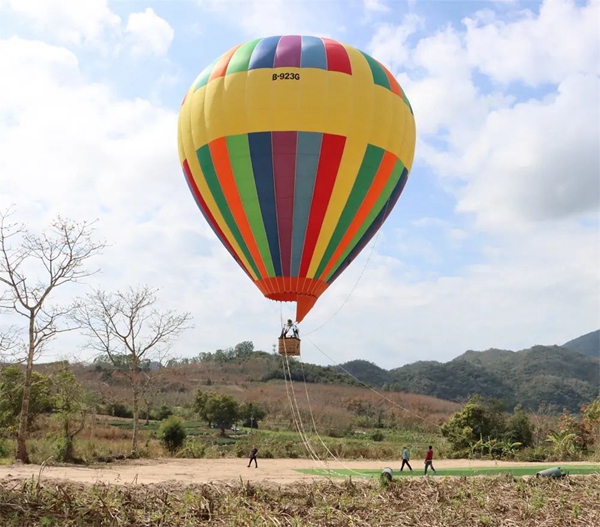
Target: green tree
563,443
477,422
223,410
200,406
172,434
519,428
508,448
217,409
70,404
251,414
244,349
583,436
12,381
591,418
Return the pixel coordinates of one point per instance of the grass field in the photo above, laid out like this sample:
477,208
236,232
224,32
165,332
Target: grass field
499,501
517,471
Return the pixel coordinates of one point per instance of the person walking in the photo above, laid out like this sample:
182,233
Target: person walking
405,458
253,457
429,460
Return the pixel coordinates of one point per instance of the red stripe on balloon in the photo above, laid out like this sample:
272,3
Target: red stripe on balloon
332,149
284,170
337,57
220,67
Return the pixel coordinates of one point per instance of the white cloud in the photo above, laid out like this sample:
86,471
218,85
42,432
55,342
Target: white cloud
537,160
151,34
257,18
92,23
73,147
78,148
389,42
562,40
376,6
440,87
537,287
516,159
62,132
69,21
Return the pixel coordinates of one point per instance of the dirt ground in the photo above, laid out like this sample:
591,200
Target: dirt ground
212,470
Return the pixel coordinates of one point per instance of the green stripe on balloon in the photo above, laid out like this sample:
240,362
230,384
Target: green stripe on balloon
364,179
203,77
241,164
241,57
379,76
208,169
379,204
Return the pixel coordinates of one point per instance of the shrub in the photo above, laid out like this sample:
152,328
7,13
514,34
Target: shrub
4,448
533,454
118,410
62,453
172,434
377,436
164,413
192,449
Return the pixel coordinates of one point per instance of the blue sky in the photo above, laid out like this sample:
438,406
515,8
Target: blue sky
494,242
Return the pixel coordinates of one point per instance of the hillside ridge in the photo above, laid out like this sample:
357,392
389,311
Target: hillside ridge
542,378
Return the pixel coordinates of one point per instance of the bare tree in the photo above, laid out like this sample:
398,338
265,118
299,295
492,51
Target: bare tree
10,344
127,326
31,268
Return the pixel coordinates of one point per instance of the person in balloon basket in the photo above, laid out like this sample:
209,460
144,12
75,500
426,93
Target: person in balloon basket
290,330
429,460
253,457
405,458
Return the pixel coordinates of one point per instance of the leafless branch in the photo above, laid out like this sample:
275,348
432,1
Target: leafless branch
127,323
31,267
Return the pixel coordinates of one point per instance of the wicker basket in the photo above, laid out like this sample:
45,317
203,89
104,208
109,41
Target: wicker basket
289,346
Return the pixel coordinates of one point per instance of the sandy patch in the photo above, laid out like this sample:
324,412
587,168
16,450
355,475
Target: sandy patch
212,470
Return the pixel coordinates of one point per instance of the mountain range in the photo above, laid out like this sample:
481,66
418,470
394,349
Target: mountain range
541,378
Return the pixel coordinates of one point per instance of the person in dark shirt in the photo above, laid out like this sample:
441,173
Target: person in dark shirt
405,458
253,457
429,460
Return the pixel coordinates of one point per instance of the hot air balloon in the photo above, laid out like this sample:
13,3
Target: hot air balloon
296,149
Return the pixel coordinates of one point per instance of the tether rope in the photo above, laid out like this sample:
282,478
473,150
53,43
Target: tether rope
298,422
394,403
318,435
296,415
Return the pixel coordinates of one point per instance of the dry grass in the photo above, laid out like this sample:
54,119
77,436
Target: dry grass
482,502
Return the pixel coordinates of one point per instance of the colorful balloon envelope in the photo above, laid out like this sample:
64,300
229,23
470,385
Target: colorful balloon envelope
296,149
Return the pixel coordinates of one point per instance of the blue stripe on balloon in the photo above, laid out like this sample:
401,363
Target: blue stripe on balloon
261,155
263,55
313,53
307,163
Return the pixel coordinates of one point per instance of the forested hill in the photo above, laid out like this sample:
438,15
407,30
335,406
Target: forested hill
588,344
541,378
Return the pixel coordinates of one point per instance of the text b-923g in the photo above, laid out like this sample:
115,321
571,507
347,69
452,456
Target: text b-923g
286,76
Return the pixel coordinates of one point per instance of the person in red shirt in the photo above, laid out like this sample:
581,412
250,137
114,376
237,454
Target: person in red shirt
429,460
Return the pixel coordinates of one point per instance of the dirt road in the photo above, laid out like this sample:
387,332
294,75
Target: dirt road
211,470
